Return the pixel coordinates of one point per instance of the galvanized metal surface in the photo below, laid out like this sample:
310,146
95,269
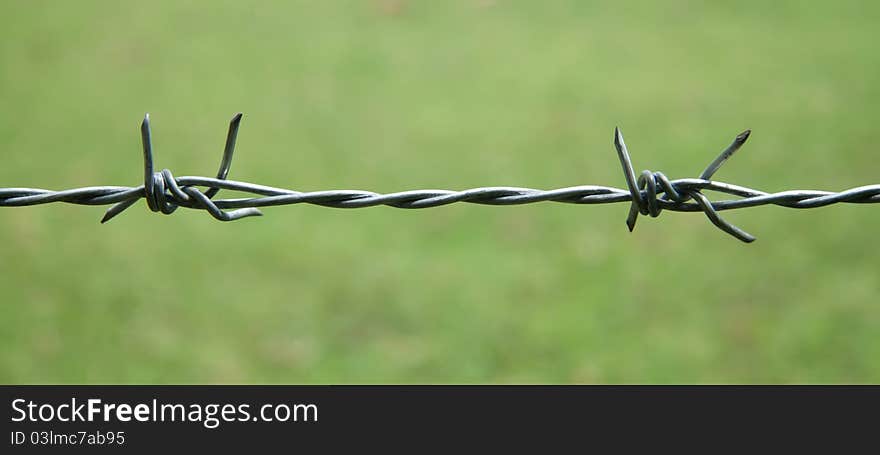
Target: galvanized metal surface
648,194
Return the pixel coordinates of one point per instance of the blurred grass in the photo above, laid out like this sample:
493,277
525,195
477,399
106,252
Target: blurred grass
392,95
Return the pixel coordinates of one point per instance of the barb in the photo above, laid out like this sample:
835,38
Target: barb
648,194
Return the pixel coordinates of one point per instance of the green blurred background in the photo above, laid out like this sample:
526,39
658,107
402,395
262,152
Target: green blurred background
395,95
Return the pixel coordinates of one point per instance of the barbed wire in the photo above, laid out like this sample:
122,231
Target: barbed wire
648,193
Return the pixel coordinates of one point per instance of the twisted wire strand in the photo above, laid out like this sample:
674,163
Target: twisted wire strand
648,193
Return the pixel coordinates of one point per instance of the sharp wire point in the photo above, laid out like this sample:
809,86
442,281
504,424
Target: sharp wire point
228,151
629,174
725,154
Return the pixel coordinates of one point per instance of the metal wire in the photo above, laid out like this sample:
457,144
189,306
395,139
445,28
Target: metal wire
648,194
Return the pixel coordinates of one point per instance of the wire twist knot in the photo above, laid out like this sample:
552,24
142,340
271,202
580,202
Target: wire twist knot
164,193
645,189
